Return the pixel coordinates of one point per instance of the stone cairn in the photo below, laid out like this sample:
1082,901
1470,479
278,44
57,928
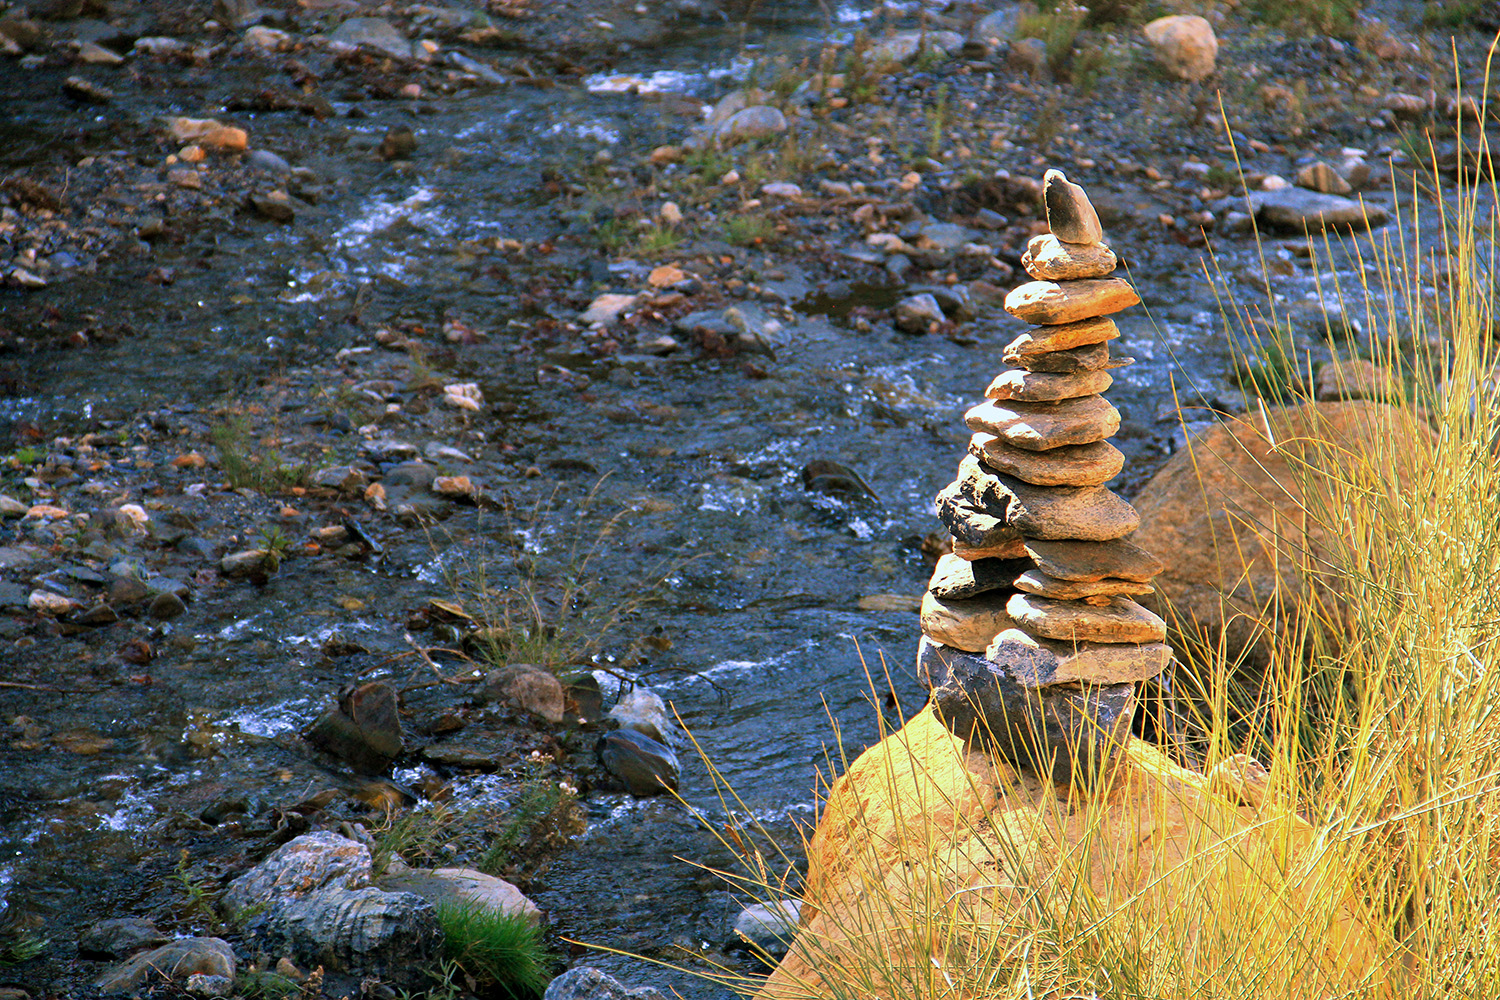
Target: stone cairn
1031,641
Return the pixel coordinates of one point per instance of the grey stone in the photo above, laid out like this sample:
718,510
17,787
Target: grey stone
267,162
527,687
175,960
917,313
997,26
645,766
203,985
769,927
164,607
1070,216
461,885
956,578
117,937
1070,734
305,864
643,710
1040,663
759,122
1308,211
586,983
1043,426
971,523
376,33
1090,513
1040,387
390,934
1089,561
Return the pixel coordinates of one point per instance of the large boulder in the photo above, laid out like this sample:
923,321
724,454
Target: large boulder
932,859
1184,44
1236,518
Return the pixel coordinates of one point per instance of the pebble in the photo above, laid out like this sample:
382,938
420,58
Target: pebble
267,39
1087,562
1073,465
376,33
918,314
47,603
98,55
1044,426
969,624
274,205
455,487
670,214
185,177
87,90
209,133
1319,176
751,123
608,308
781,189
1050,303
1034,581
463,396
1039,387
1048,258
249,562
1070,215
1091,513
1118,620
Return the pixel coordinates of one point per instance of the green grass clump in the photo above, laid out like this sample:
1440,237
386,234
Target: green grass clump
748,230
248,464
503,952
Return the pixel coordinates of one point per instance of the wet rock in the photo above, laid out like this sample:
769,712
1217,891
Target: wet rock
394,935
645,766
251,563
1319,176
1064,733
22,32
202,985
376,33
905,46
176,961
461,885
769,927
823,475
117,937
87,90
643,710
583,698
398,143
267,162
274,205
11,507
527,687
267,39
918,314
1184,45
97,55
306,864
185,177
364,729
751,123
587,983
1308,211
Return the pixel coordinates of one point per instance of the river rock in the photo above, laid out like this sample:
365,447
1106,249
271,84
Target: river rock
461,885
1185,45
1319,176
201,984
1065,734
645,766
1048,258
364,729
176,960
527,687
1118,620
956,578
1307,211
1041,387
1036,662
1071,465
587,983
759,122
1049,303
1069,215
252,563
643,710
394,935
376,33
917,313
117,937
1092,513
1031,345
1034,581
608,308
971,523
1043,426
965,624
1087,562
305,864
768,928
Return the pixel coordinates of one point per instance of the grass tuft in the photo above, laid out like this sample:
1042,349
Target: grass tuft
502,952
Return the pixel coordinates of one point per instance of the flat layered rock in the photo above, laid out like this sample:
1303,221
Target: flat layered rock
1043,426
1069,734
1041,663
1041,387
1091,513
1087,562
1048,258
1034,581
956,578
1049,303
1073,465
1015,549
1089,358
1040,340
966,624
1119,620
971,523
1070,214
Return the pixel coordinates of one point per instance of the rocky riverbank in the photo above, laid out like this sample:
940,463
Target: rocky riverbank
434,379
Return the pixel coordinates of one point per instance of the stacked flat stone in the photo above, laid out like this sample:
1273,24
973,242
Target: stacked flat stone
1031,639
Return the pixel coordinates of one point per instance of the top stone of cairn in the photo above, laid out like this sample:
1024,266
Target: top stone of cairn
1070,215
